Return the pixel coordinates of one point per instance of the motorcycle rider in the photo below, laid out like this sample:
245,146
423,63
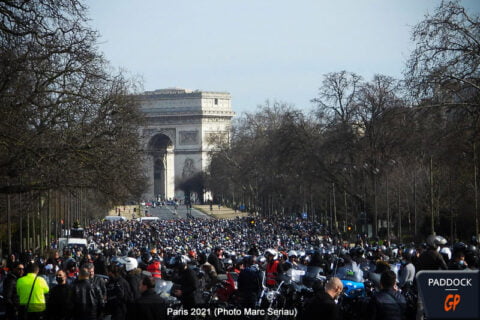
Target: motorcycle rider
292,262
186,283
407,269
249,282
431,259
119,295
272,268
133,276
458,262
215,259
155,267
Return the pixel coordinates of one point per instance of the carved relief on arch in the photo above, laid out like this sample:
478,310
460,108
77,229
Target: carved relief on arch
188,168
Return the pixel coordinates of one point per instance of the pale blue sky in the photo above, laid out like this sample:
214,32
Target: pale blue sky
257,49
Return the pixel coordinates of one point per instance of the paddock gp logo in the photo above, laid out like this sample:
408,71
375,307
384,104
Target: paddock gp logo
450,294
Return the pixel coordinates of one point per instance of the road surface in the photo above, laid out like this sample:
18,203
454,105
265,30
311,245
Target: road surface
169,212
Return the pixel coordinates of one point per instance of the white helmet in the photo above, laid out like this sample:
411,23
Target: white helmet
447,252
292,253
271,252
130,263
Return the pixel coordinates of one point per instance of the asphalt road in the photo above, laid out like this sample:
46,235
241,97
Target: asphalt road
169,212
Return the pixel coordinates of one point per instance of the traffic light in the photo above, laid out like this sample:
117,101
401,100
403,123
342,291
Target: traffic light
349,227
251,222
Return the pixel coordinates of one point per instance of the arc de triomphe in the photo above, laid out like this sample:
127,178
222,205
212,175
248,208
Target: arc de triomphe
178,125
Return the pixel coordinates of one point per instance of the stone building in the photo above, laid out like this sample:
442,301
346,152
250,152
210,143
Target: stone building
175,136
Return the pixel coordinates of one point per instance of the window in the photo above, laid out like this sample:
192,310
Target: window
216,102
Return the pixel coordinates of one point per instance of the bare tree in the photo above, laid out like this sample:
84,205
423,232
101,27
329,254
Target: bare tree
447,53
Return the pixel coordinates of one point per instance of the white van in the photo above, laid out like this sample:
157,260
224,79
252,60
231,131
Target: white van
115,218
149,219
71,243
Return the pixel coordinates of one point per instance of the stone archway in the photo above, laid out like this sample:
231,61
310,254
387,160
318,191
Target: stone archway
178,124
160,153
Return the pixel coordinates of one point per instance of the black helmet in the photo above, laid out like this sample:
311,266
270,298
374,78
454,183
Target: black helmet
180,261
146,257
459,246
474,240
408,254
360,251
248,260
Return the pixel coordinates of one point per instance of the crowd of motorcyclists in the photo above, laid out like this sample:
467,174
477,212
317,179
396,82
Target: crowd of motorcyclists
167,268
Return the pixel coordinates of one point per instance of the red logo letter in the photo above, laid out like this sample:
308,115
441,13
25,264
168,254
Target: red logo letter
449,304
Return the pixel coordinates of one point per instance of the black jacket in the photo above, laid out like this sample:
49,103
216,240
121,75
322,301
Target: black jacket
119,296
387,304
101,285
10,290
60,302
87,300
149,306
321,306
134,280
249,286
187,281
216,263
430,260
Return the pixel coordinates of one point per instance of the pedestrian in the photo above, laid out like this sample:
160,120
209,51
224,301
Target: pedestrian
97,281
60,301
87,298
388,303
324,302
10,291
149,305
31,290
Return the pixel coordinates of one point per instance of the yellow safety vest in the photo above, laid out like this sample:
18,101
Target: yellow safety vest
37,301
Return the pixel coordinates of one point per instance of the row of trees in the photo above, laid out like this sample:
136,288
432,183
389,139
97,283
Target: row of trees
401,153
69,142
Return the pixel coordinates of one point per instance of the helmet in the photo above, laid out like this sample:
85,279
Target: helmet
146,257
292,253
408,254
446,253
474,240
441,241
248,260
130,263
353,251
360,251
271,252
459,246
434,241
180,261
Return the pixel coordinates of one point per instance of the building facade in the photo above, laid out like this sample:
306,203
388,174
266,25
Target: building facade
179,124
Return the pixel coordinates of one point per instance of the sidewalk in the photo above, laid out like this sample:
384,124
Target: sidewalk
125,211
222,213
